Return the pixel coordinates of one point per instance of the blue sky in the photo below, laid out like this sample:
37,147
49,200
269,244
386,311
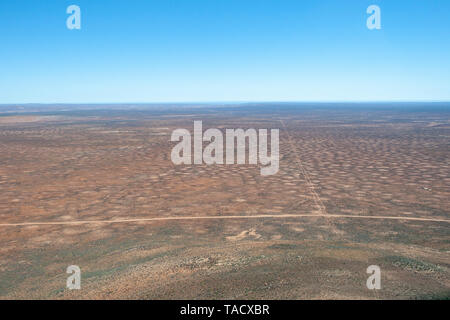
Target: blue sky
224,50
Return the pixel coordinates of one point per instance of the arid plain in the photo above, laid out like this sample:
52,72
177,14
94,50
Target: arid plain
357,186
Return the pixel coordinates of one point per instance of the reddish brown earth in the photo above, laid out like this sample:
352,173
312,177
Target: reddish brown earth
335,166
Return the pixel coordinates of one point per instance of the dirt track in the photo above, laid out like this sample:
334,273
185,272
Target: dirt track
220,217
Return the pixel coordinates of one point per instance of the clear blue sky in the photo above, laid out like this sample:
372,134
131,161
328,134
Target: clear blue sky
224,50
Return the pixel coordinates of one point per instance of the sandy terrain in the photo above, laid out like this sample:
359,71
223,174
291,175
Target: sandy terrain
355,188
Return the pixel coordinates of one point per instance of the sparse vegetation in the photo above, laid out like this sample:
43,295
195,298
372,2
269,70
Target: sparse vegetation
115,164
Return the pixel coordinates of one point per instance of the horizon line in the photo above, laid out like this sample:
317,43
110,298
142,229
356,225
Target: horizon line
225,102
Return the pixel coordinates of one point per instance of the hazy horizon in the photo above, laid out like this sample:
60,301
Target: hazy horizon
231,102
